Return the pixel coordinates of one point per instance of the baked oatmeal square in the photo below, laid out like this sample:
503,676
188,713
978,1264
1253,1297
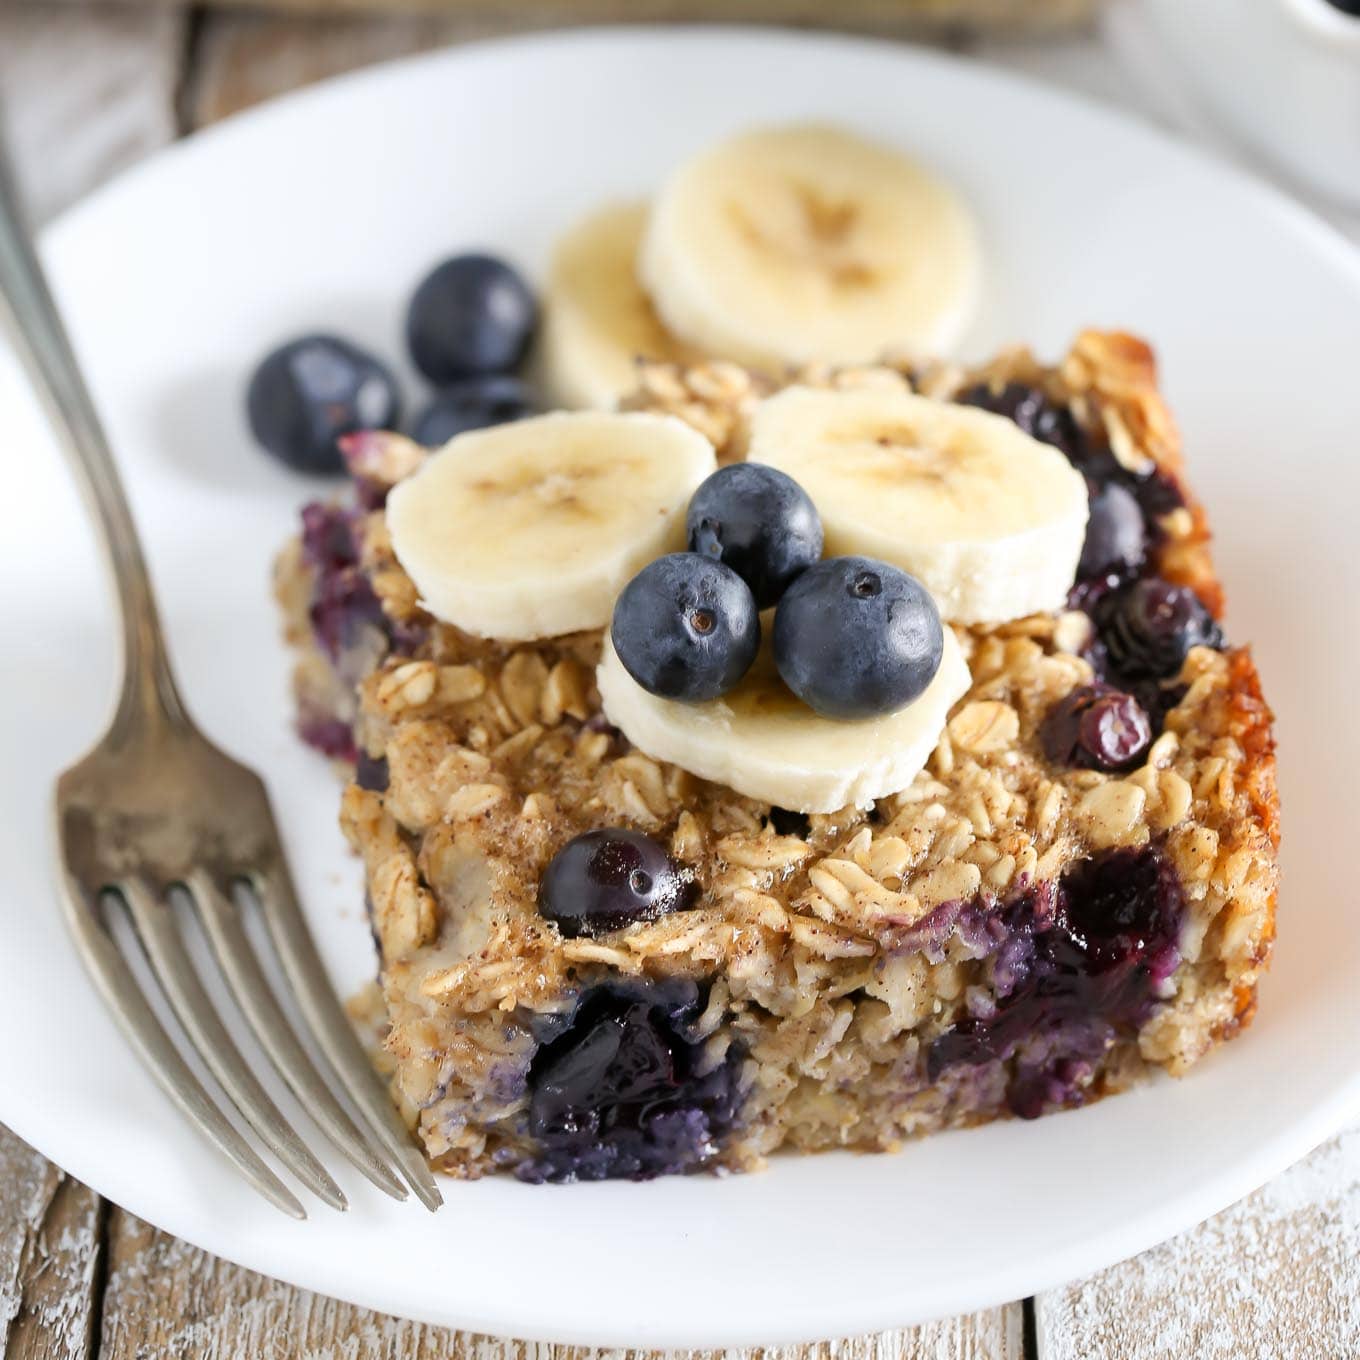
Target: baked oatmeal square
1077,888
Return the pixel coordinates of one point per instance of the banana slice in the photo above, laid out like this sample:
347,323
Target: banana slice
790,244
765,743
531,529
990,520
597,321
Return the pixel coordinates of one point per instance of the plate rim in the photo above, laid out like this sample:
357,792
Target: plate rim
1214,1192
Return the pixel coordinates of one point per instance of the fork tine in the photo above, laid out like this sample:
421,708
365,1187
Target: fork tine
144,1031
332,1028
275,1033
176,973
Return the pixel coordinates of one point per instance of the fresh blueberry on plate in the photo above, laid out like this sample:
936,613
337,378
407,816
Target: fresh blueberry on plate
471,315
686,627
856,638
758,521
473,404
307,393
605,880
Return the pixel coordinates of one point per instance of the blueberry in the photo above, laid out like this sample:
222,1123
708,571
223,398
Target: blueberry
686,627
758,521
370,772
1121,909
333,737
307,393
622,1088
1148,628
343,607
854,638
471,315
472,404
1033,412
1116,534
605,880
1157,494
1348,7
328,541
1098,727
1083,958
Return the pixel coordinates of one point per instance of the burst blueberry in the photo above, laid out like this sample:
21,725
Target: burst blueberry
686,627
758,521
473,404
1147,630
1097,727
620,1088
856,638
307,393
471,315
606,880
1099,944
1123,911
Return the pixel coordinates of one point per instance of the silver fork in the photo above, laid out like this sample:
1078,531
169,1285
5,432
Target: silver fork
155,809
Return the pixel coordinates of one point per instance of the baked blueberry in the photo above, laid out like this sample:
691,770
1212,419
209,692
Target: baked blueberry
605,880
307,393
473,404
1116,534
1148,628
471,315
333,737
686,627
758,521
343,608
854,638
622,1087
1032,411
370,772
1098,727
1086,956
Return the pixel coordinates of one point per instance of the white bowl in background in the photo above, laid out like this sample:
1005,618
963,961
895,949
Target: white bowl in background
1283,76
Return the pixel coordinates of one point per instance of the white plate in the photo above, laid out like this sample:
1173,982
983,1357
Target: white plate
322,210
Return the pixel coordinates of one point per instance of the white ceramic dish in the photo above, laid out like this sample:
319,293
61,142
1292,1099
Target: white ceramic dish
322,210
1283,76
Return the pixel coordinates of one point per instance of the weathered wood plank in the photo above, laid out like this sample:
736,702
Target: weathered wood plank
50,1230
85,93
242,59
1276,1275
1005,14
168,1300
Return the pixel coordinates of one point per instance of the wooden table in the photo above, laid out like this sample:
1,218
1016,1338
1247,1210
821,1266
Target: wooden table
87,91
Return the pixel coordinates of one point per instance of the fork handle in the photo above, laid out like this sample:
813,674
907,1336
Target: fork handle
148,688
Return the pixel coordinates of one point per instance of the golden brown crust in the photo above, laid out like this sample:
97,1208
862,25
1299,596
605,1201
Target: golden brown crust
1119,372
